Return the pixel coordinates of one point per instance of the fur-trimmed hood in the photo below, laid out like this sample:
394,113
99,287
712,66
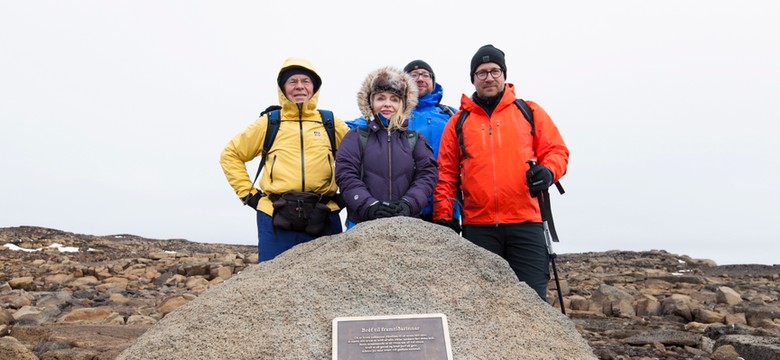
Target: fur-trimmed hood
391,79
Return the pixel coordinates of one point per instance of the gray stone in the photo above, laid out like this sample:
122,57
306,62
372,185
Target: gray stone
666,337
753,347
283,309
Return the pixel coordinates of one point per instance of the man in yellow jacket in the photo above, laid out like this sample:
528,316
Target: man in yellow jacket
298,167
487,162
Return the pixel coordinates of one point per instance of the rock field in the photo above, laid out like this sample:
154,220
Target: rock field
59,303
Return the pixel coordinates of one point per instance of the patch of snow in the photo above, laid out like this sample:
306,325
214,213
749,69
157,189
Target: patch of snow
64,249
13,247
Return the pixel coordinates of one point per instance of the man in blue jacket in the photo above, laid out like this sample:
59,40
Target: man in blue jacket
429,116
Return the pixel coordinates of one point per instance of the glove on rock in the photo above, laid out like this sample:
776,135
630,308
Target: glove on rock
404,208
381,209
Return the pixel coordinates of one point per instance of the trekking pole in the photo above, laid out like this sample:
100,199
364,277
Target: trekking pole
542,197
555,269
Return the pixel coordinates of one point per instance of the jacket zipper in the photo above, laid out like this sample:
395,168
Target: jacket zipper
300,135
330,167
271,173
389,166
495,175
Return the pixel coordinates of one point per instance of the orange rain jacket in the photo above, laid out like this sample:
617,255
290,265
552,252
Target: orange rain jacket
492,177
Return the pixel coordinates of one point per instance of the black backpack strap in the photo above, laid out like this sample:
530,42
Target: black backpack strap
271,130
363,132
527,113
529,116
270,108
330,128
411,137
459,131
446,109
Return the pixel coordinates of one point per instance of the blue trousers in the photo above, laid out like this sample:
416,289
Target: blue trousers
272,242
522,245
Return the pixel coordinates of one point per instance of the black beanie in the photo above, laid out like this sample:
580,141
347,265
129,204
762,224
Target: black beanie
487,54
419,64
297,70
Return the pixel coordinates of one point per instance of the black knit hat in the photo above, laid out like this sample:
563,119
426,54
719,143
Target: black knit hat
487,54
419,64
297,70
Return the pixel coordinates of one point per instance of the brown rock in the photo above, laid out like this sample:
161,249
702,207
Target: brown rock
647,305
83,282
89,316
173,303
578,302
222,272
6,317
708,316
738,318
679,305
197,284
141,320
35,315
162,255
724,352
24,283
727,295
58,279
10,348
16,299
612,301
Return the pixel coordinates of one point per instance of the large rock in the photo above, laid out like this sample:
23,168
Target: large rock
284,308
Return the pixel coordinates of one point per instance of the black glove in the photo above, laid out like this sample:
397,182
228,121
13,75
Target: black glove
403,207
452,224
252,200
539,179
381,209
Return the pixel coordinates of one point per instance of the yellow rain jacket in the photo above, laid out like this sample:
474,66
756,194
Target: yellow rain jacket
300,158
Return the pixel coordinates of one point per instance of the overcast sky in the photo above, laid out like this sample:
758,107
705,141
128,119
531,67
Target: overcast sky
113,113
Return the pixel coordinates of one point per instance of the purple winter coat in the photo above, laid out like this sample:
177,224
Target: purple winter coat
390,171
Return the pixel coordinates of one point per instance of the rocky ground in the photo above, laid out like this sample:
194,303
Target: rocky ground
91,304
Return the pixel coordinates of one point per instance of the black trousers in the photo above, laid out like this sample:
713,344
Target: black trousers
522,245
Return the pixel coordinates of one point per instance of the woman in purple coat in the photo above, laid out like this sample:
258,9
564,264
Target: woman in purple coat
383,169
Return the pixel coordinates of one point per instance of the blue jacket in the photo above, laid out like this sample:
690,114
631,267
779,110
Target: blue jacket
393,172
428,119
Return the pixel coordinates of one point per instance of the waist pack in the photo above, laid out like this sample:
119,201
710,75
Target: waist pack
301,211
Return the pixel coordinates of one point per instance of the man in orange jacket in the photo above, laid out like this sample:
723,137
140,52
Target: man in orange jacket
487,160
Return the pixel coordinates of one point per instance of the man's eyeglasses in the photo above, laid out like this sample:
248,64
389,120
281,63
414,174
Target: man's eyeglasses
482,74
423,74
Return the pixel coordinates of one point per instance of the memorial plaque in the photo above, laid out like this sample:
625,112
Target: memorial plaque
412,337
